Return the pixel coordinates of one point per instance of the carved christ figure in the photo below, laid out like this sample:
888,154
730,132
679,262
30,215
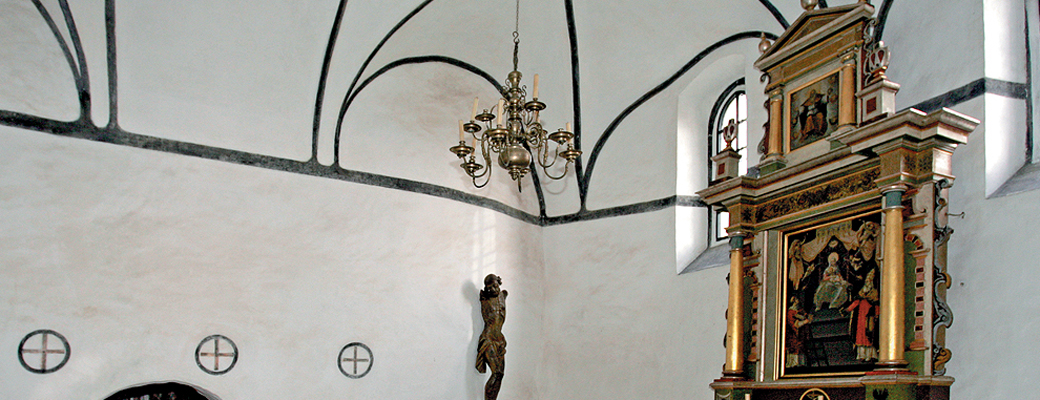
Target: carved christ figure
491,347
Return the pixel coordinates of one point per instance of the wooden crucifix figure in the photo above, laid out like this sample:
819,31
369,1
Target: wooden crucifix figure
491,346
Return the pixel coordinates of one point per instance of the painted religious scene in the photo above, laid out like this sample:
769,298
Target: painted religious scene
814,112
832,278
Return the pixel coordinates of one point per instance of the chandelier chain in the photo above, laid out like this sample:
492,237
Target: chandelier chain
516,38
516,28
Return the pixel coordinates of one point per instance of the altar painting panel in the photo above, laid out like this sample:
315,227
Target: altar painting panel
831,279
813,111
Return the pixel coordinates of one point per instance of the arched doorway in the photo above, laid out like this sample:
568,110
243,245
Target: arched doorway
163,391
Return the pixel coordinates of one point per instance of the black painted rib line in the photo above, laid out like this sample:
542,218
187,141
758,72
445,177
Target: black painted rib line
450,61
32,122
1029,86
653,92
882,17
972,90
323,79
638,208
84,81
690,201
82,130
409,61
350,94
537,182
572,36
110,39
76,78
776,13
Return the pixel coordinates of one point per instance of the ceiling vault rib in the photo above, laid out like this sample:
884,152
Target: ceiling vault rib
83,84
110,58
601,142
572,36
76,77
776,13
350,91
320,98
881,18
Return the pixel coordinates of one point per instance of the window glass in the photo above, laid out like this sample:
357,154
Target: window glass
733,109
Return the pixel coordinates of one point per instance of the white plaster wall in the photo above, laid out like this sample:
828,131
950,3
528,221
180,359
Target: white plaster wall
1005,39
136,256
234,74
694,113
619,323
41,84
403,124
991,258
930,59
1005,146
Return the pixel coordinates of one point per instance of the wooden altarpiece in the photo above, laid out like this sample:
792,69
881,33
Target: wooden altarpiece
838,247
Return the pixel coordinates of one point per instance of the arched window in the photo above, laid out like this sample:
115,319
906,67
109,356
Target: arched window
731,106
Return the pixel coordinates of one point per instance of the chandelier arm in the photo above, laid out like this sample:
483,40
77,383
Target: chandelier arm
556,178
543,160
487,171
478,185
538,138
487,165
487,155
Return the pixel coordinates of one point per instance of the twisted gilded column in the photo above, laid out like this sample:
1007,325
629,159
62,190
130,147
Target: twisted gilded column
735,314
893,281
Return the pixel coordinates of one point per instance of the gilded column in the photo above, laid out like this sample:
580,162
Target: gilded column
847,102
776,117
735,314
893,282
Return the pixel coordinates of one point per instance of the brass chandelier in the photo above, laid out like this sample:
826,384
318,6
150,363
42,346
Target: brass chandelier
513,130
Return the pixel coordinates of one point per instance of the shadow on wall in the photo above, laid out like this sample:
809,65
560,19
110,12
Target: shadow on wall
474,381
162,391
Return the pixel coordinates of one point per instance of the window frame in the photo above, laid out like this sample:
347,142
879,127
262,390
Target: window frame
731,94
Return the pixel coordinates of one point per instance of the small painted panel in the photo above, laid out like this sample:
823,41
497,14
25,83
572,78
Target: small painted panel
814,111
355,360
831,306
43,351
216,355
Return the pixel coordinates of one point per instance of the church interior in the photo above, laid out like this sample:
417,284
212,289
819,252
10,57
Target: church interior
257,200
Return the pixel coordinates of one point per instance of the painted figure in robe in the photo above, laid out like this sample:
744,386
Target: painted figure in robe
832,291
794,335
863,320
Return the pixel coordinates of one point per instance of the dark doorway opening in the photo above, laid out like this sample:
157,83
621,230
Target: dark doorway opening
163,391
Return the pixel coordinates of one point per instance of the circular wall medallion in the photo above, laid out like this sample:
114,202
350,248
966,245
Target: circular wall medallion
355,360
43,351
216,354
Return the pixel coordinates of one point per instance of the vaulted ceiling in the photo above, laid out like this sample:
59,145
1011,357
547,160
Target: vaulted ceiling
370,91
